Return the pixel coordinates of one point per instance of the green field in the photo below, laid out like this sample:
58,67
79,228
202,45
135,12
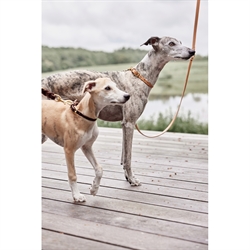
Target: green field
171,79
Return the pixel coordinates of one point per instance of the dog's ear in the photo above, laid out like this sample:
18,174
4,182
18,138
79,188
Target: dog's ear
88,86
154,41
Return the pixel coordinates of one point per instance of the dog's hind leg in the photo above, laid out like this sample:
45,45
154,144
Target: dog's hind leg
87,150
128,132
77,196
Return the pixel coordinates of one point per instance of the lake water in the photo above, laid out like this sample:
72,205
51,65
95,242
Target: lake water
197,104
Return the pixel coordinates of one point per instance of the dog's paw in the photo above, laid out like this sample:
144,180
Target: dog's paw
132,180
94,189
79,197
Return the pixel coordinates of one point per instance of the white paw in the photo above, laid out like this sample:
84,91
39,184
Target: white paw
132,180
79,197
94,189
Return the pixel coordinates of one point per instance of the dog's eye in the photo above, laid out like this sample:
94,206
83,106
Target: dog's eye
108,88
171,44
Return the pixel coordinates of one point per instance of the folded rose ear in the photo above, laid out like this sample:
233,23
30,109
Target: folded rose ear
154,41
89,86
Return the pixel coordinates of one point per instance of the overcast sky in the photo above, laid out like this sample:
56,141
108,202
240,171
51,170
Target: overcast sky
110,25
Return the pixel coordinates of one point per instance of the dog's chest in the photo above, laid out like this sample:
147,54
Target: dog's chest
85,136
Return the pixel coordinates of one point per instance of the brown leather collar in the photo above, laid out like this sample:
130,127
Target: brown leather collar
137,74
73,108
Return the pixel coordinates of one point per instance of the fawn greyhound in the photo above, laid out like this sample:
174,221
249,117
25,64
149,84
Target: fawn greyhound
138,82
74,130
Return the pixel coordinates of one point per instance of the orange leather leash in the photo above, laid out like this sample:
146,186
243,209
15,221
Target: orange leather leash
187,75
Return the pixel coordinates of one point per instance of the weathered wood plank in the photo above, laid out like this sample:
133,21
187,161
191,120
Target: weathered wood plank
60,240
167,191
118,132
128,195
171,174
153,177
110,158
130,207
162,159
121,237
169,210
191,151
107,164
140,223
152,145
165,172
114,164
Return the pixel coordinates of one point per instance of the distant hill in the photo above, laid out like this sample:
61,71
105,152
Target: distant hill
62,58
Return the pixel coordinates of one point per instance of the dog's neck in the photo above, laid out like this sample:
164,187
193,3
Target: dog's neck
88,107
152,64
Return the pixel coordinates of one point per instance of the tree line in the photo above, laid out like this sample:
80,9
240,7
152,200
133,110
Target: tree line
61,58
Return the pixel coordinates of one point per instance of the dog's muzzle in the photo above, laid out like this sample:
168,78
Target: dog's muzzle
190,52
125,99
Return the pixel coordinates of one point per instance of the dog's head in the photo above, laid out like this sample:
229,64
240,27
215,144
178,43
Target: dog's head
170,47
105,92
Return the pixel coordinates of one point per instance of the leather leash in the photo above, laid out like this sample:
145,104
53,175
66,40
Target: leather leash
187,76
72,104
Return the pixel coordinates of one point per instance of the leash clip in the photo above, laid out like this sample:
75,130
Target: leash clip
59,99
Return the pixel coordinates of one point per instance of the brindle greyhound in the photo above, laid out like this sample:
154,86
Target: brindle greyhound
69,85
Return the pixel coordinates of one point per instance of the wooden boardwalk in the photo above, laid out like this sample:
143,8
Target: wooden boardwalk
169,211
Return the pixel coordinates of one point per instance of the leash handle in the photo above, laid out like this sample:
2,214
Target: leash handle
187,76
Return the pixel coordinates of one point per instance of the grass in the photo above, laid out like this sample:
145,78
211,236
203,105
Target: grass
182,124
172,78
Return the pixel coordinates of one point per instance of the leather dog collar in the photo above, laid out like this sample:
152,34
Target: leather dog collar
72,106
138,75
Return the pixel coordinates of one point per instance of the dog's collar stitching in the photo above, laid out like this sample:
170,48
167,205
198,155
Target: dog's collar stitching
138,75
73,108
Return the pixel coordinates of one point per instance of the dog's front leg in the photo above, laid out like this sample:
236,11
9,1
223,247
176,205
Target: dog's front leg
98,168
77,196
128,132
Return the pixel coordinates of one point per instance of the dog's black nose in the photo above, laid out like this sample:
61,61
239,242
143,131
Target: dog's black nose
191,52
127,97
